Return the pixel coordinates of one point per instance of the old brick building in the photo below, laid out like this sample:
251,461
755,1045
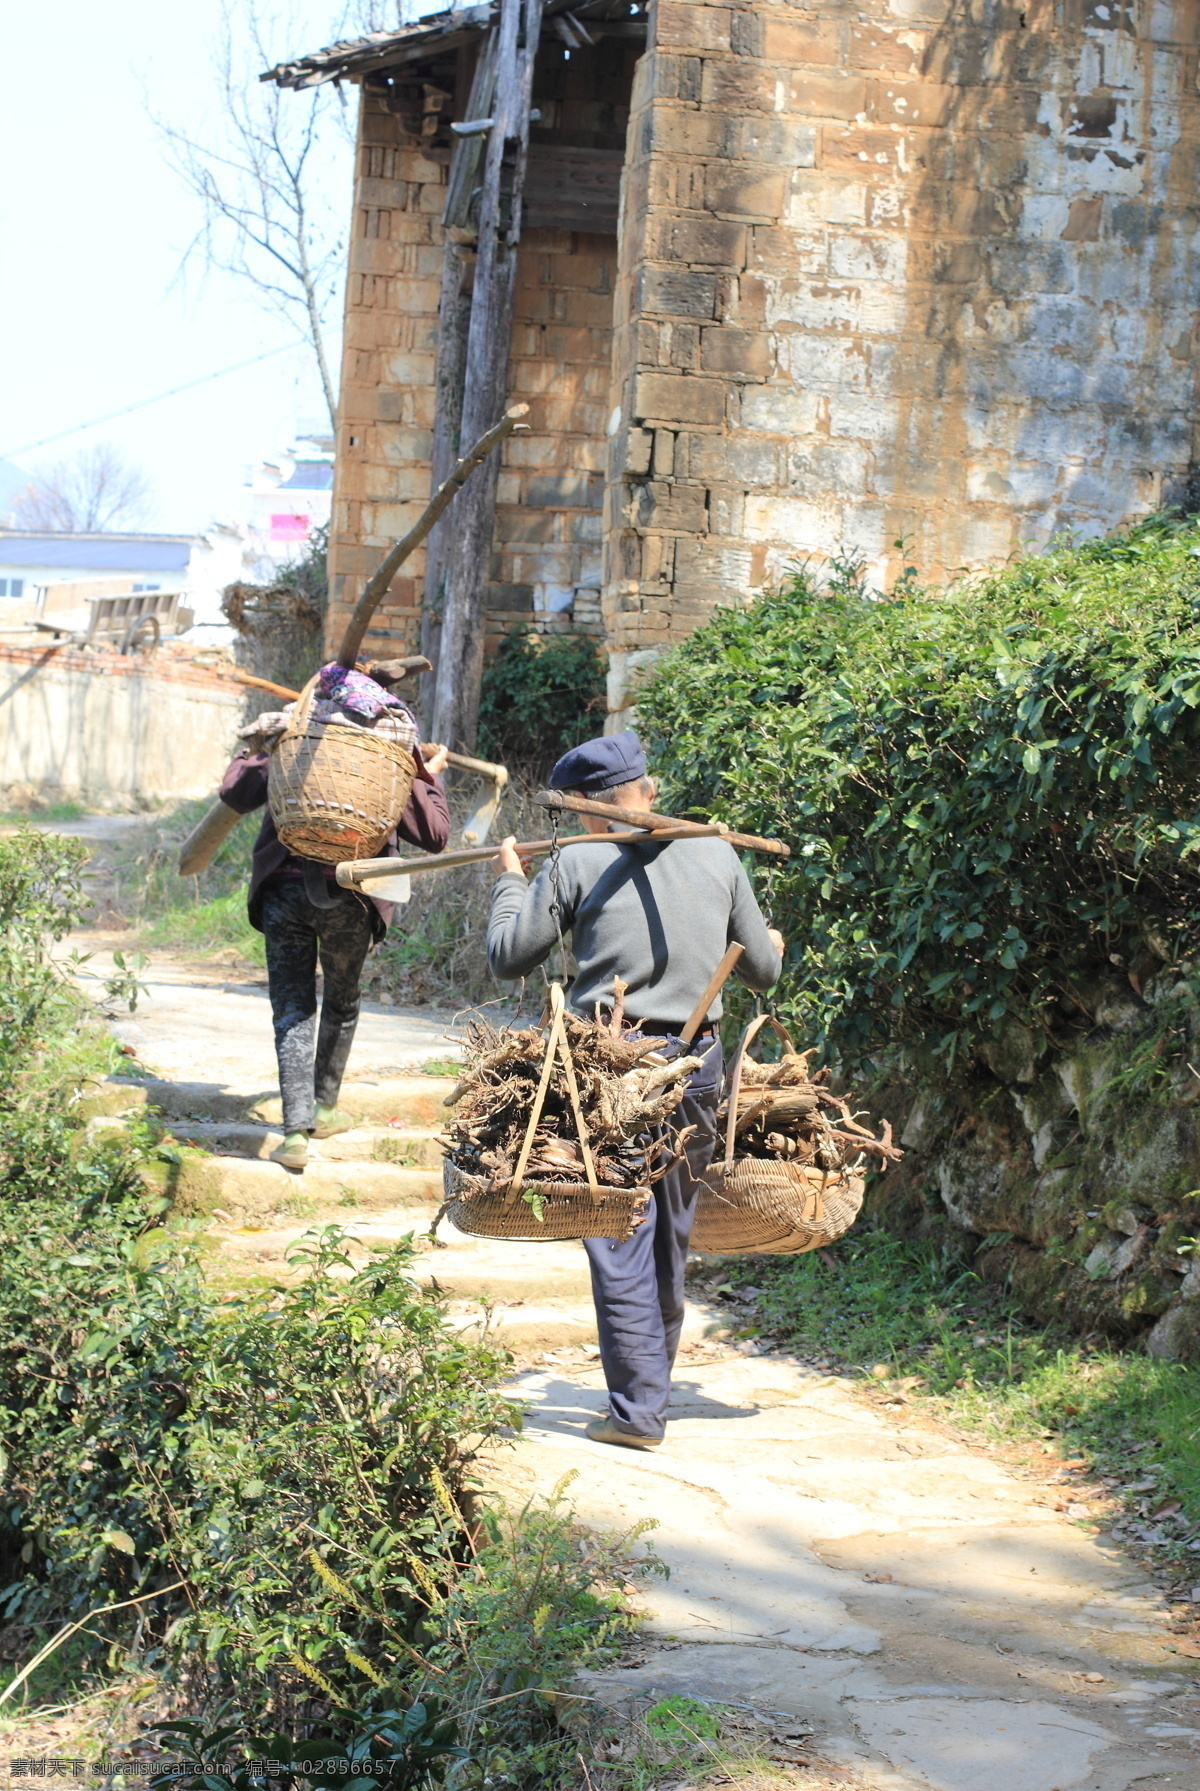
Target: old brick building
894,268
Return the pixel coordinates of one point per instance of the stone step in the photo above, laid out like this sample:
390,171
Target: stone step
413,1147
243,1188
538,1295
464,1268
417,1101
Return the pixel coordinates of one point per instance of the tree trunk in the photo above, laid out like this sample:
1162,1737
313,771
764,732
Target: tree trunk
460,661
455,315
454,318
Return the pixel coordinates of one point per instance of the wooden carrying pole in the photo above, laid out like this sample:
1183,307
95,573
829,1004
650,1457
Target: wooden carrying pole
417,663
377,586
558,800
206,839
358,871
396,668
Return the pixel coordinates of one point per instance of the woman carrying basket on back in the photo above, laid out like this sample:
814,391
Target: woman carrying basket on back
658,916
306,919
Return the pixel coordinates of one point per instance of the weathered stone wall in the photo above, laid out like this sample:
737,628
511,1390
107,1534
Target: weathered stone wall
918,269
114,732
1069,1171
546,569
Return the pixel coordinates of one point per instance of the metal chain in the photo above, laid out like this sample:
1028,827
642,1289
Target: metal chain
556,910
768,904
761,1004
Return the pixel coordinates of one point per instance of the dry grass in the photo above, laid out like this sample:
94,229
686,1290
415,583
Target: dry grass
436,952
682,1744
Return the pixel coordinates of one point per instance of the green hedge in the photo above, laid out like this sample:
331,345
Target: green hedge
990,792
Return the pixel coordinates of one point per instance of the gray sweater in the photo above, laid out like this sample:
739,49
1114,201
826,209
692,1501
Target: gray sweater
659,917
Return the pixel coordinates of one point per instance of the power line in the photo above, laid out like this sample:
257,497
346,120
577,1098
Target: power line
141,404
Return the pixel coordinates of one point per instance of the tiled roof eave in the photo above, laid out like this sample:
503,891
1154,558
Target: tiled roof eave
354,58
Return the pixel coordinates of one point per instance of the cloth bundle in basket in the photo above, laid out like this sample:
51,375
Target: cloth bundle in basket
574,1157
790,1180
335,789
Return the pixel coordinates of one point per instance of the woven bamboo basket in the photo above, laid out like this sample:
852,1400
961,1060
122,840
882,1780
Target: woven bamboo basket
542,1211
759,1206
568,1210
336,792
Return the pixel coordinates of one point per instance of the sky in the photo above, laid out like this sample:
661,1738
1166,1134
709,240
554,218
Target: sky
94,223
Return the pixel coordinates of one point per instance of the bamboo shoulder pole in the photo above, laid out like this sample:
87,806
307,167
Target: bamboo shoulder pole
560,800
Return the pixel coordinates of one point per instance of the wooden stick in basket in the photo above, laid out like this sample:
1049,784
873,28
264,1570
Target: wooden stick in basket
354,872
377,585
716,983
558,800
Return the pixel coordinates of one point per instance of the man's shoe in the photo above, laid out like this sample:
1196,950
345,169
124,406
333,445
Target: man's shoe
603,1430
293,1152
329,1121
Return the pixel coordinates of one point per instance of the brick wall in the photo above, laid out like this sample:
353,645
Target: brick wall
113,731
903,268
546,568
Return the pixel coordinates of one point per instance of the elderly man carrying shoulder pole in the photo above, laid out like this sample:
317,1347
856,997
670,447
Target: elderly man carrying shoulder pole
658,916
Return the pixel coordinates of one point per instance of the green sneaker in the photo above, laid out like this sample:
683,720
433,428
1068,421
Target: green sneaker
293,1152
603,1430
329,1121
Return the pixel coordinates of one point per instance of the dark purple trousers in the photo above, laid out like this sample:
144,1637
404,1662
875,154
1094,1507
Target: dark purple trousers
637,1283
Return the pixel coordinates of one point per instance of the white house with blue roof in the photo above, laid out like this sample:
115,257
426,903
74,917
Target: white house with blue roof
202,565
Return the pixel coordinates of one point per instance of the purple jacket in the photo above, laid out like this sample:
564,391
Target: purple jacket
425,823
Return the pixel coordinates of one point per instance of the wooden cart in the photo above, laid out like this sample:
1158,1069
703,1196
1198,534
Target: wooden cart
134,622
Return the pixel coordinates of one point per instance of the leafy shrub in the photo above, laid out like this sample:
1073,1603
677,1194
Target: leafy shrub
267,1497
541,694
989,792
287,1459
41,899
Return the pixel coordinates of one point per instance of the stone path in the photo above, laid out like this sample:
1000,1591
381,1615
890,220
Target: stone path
907,1595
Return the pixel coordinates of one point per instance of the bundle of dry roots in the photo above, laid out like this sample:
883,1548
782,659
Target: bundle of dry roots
784,1113
627,1092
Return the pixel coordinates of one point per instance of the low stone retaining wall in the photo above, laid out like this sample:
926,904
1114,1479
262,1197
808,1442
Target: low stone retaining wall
1070,1170
110,731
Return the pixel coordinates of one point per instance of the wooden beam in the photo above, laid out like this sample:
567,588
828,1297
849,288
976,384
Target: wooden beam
460,659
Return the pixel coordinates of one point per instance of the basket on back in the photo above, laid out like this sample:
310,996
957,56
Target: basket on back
336,790
790,1179
559,1134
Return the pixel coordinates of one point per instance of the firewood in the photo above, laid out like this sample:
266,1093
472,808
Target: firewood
787,1114
626,1104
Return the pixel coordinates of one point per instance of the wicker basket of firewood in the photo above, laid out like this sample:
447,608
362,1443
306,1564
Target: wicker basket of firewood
562,1131
793,1174
336,791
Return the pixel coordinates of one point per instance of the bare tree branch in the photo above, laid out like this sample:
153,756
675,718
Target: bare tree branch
94,490
263,220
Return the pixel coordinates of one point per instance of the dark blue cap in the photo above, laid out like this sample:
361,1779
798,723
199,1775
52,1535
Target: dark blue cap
600,764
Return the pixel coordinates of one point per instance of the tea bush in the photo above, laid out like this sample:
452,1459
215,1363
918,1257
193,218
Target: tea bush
265,1497
292,1460
988,791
